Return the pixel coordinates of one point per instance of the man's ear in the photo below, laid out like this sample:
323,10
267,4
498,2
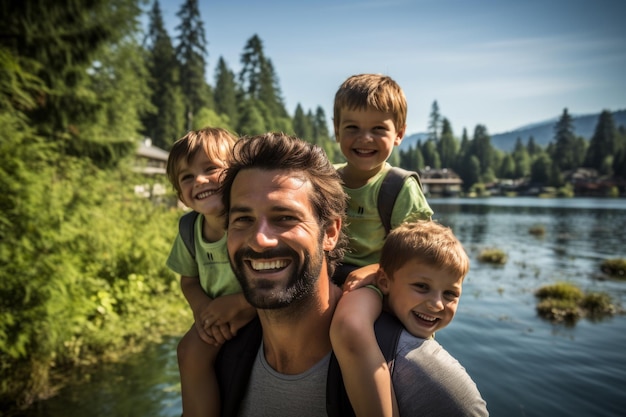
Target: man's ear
383,281
331,235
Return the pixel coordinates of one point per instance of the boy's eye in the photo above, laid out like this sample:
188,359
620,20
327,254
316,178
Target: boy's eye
185,177
451,295
420,286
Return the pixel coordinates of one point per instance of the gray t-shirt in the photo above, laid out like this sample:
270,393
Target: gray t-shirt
427,380
274,394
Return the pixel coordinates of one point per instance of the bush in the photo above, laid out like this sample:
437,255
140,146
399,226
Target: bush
566,302
614,267
493,256
537,230
83,266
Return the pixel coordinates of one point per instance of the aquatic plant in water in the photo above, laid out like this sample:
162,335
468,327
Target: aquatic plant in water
566,302
492,256
615,267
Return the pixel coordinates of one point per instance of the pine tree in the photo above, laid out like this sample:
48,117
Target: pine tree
481,148
434,122
226,93
64,38
302,124
532,147
259,82
603,142
167,122
431,156
563,154
447,145
191,53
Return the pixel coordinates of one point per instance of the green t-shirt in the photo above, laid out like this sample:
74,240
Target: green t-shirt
211,264
365,229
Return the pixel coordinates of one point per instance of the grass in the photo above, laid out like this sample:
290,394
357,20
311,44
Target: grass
492,256
615,267
565,302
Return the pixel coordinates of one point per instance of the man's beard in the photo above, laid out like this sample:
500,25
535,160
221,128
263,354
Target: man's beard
272,294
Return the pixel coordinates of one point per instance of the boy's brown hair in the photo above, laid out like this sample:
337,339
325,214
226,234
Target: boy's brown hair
375,91
427,242
216,142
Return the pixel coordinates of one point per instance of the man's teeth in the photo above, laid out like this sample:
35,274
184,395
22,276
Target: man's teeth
264,265
427,318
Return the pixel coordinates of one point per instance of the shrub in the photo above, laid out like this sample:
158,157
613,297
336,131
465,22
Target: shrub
560,291
614,267
537,230
566,302
493,256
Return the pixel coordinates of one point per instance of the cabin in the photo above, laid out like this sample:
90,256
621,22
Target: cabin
151,161
440,182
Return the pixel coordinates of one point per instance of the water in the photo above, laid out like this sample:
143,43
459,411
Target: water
522,364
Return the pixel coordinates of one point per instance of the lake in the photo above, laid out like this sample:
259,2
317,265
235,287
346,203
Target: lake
523,365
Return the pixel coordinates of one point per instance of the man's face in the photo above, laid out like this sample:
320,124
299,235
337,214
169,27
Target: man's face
275,244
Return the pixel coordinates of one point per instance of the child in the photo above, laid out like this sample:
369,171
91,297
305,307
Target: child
195,164
422,267
369,117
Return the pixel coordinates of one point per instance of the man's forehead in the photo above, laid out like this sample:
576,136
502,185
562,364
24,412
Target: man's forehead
269,184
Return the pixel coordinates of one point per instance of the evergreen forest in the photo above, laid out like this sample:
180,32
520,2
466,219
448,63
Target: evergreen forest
82,256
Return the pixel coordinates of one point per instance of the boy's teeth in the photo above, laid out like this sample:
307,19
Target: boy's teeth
427,318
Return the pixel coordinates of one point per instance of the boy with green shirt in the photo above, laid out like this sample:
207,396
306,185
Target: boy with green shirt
369,119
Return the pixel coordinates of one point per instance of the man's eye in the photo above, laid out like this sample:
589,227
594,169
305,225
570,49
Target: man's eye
240,219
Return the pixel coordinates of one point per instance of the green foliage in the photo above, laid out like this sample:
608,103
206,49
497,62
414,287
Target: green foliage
493,256
561,291
84,266
564,301
615,267
537,230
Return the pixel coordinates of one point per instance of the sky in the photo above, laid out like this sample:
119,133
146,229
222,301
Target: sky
499,63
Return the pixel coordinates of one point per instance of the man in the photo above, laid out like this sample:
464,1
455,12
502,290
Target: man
285,207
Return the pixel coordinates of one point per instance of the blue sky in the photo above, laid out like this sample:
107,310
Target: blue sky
500,63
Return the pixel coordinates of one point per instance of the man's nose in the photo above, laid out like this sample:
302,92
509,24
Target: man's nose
263,236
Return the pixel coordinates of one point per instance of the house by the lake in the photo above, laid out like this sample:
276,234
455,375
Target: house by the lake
440,182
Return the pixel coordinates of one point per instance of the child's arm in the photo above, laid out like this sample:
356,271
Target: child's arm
199,301
361,277
365,372
226,315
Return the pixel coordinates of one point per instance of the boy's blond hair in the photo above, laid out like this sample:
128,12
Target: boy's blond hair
375,91
427,242
216,142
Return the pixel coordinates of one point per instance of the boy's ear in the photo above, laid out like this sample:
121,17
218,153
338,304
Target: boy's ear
400,135
382,281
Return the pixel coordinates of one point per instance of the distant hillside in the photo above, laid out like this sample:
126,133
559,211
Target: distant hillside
543,132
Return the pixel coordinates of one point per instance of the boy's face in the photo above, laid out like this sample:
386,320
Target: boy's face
199,182
367,137
423,298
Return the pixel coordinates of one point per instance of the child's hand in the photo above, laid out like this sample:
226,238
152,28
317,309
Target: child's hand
360,277
226,315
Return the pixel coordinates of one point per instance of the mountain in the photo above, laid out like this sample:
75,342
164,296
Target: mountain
543,132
